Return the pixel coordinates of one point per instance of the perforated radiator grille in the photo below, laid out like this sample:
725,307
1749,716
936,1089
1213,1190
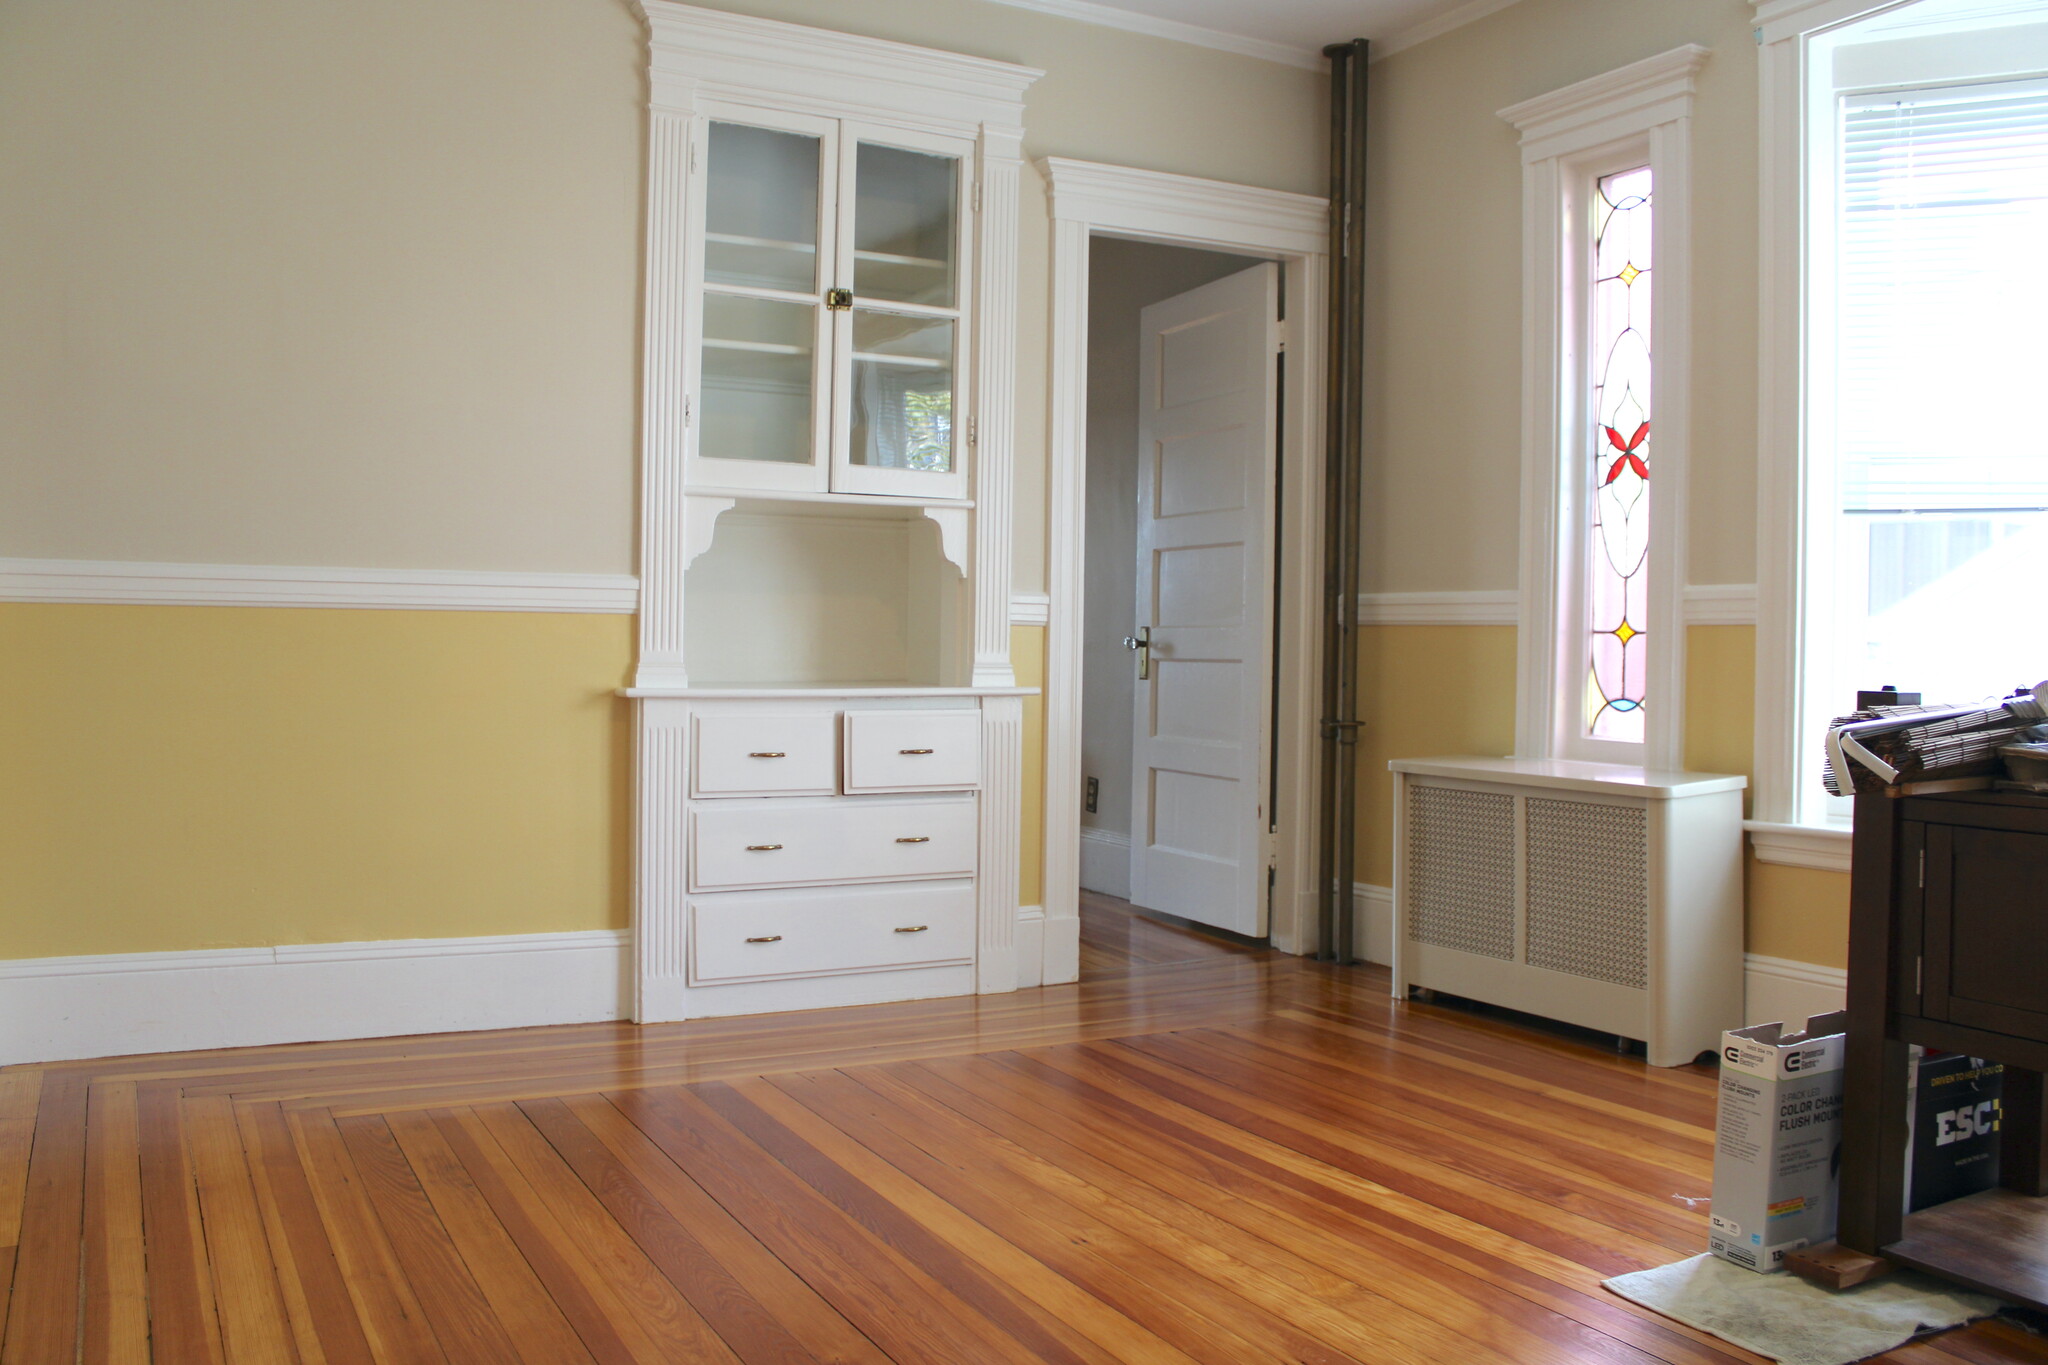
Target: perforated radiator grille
1588,894
1461,870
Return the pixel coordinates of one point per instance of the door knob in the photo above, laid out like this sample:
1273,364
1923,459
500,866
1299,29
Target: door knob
1142,642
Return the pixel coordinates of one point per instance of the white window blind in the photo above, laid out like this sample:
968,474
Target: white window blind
1941,413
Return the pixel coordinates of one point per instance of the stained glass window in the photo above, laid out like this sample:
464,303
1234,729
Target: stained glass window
1617,585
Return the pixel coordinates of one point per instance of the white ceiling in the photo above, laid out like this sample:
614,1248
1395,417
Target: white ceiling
1292,31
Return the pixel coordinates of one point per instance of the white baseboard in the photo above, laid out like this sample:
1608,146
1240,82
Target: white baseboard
1372,911
1775,989
1030,946
1062,938
1106,863
64,1008
1779,990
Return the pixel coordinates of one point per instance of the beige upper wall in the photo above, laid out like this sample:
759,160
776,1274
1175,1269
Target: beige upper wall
359,285
1443,441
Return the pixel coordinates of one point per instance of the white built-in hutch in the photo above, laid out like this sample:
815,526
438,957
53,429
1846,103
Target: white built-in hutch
828,782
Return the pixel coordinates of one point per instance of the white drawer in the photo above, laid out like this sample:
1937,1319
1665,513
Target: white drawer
772,755
761,843
748,936
896,751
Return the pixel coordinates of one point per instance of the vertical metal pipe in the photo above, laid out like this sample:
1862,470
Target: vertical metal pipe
1343,475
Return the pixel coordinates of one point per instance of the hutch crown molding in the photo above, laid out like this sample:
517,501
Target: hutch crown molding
828,780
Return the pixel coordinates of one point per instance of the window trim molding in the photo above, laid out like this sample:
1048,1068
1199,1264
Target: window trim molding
1648,104
1785,31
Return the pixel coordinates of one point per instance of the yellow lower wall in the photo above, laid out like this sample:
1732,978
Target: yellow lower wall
1027,657
214,777
1451,690
210,777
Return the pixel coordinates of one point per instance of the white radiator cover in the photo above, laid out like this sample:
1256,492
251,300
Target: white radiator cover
1599,894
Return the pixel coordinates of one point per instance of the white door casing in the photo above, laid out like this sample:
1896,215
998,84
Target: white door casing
1207,426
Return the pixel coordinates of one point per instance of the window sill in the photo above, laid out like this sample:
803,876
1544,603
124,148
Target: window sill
1825,847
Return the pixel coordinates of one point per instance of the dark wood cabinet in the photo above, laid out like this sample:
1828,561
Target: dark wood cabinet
1948,948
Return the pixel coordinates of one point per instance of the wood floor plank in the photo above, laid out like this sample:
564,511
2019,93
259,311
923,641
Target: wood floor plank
386,1307
464,1323
21,1088
1509,1147
1173,1182
254,1326
1021,1290
1205,1269
535,1319
620,1305
762,1309
182,1321
1537,1272
1460,1066
43,1299
116,1283
316,1290
869,1281
1130,1279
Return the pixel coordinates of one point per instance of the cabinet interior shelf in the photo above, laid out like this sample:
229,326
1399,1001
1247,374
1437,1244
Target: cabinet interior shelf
755,347
911,362
818,496
811,249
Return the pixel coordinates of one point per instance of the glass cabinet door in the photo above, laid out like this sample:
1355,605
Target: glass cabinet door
765,333
901,220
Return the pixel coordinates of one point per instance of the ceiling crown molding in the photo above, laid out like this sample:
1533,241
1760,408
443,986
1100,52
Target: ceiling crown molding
1654,90
1152,26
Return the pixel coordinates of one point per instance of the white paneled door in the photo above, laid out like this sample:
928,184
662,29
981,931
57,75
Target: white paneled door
1207,424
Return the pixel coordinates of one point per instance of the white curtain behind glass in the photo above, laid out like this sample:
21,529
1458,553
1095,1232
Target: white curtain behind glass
1942,420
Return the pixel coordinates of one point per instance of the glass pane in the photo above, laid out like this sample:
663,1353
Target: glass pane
1617,580
1941,416
903,225
903,391
761,209
757,380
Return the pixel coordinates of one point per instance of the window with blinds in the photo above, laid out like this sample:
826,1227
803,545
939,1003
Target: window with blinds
1941,400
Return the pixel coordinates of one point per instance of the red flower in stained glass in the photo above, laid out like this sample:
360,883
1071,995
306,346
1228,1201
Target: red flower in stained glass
1614,438
1629,459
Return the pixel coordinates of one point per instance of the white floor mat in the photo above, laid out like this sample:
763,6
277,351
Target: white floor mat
1784,1317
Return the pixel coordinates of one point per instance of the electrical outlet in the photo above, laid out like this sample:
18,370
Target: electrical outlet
1094,789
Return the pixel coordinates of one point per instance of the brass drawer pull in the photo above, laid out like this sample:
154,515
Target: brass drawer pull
913,928
766,938
769,753
916,839
913,751
762,848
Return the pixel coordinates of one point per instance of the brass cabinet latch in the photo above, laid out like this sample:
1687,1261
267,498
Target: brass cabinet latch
838,298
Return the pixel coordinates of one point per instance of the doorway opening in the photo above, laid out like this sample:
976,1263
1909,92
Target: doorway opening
1185,372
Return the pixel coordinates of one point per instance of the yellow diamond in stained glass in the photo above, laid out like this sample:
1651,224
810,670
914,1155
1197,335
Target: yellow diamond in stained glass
1625,632
1628,274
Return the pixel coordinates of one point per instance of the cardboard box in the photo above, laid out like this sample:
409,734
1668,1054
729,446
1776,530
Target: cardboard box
1777,1140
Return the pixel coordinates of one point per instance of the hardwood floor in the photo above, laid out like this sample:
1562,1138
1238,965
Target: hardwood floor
1115,940
1238,1158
